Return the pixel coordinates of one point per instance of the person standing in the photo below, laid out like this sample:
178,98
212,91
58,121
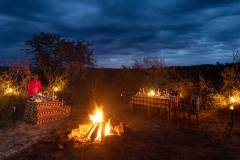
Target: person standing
34,86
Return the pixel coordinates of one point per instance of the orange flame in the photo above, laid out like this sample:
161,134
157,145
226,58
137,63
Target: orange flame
97,117
108,128
98,124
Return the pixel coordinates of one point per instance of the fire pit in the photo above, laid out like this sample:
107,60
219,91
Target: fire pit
95,130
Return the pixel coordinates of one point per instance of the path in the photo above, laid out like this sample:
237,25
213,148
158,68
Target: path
19,136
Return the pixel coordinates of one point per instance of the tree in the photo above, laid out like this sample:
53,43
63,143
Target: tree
231,74
236,56
149,62
52,54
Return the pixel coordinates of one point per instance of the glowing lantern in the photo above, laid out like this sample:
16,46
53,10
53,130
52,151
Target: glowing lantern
231,108
55,89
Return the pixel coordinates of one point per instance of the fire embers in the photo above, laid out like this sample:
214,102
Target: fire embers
97,129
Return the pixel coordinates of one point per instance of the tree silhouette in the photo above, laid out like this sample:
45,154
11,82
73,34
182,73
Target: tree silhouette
52,53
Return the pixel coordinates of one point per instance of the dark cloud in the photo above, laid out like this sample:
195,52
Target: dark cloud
182,31
192,6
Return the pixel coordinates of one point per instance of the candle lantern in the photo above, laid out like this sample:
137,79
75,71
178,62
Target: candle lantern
231,108
55,91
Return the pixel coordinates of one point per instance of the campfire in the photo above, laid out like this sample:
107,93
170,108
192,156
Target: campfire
96,129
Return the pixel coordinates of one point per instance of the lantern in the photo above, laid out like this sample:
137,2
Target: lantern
55,89
231,108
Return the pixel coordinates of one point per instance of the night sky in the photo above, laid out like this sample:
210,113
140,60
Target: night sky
184,32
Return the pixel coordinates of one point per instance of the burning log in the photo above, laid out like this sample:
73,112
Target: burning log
97,130
93,128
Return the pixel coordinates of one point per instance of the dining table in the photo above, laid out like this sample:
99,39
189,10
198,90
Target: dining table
167,102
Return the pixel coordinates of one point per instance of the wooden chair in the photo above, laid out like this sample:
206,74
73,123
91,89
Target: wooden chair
188,108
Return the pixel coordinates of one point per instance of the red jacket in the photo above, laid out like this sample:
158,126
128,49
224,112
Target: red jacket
34,86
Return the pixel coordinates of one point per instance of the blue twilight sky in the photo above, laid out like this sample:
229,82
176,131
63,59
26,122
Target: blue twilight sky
184,32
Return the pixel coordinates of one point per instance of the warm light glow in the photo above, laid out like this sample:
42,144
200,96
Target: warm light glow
80,133
108,128
151,93
97,130
232,100
221,100
56,89
97,117
99,133
181,94
9,90
231,107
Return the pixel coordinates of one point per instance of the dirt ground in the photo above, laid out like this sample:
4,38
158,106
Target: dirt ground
146,138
